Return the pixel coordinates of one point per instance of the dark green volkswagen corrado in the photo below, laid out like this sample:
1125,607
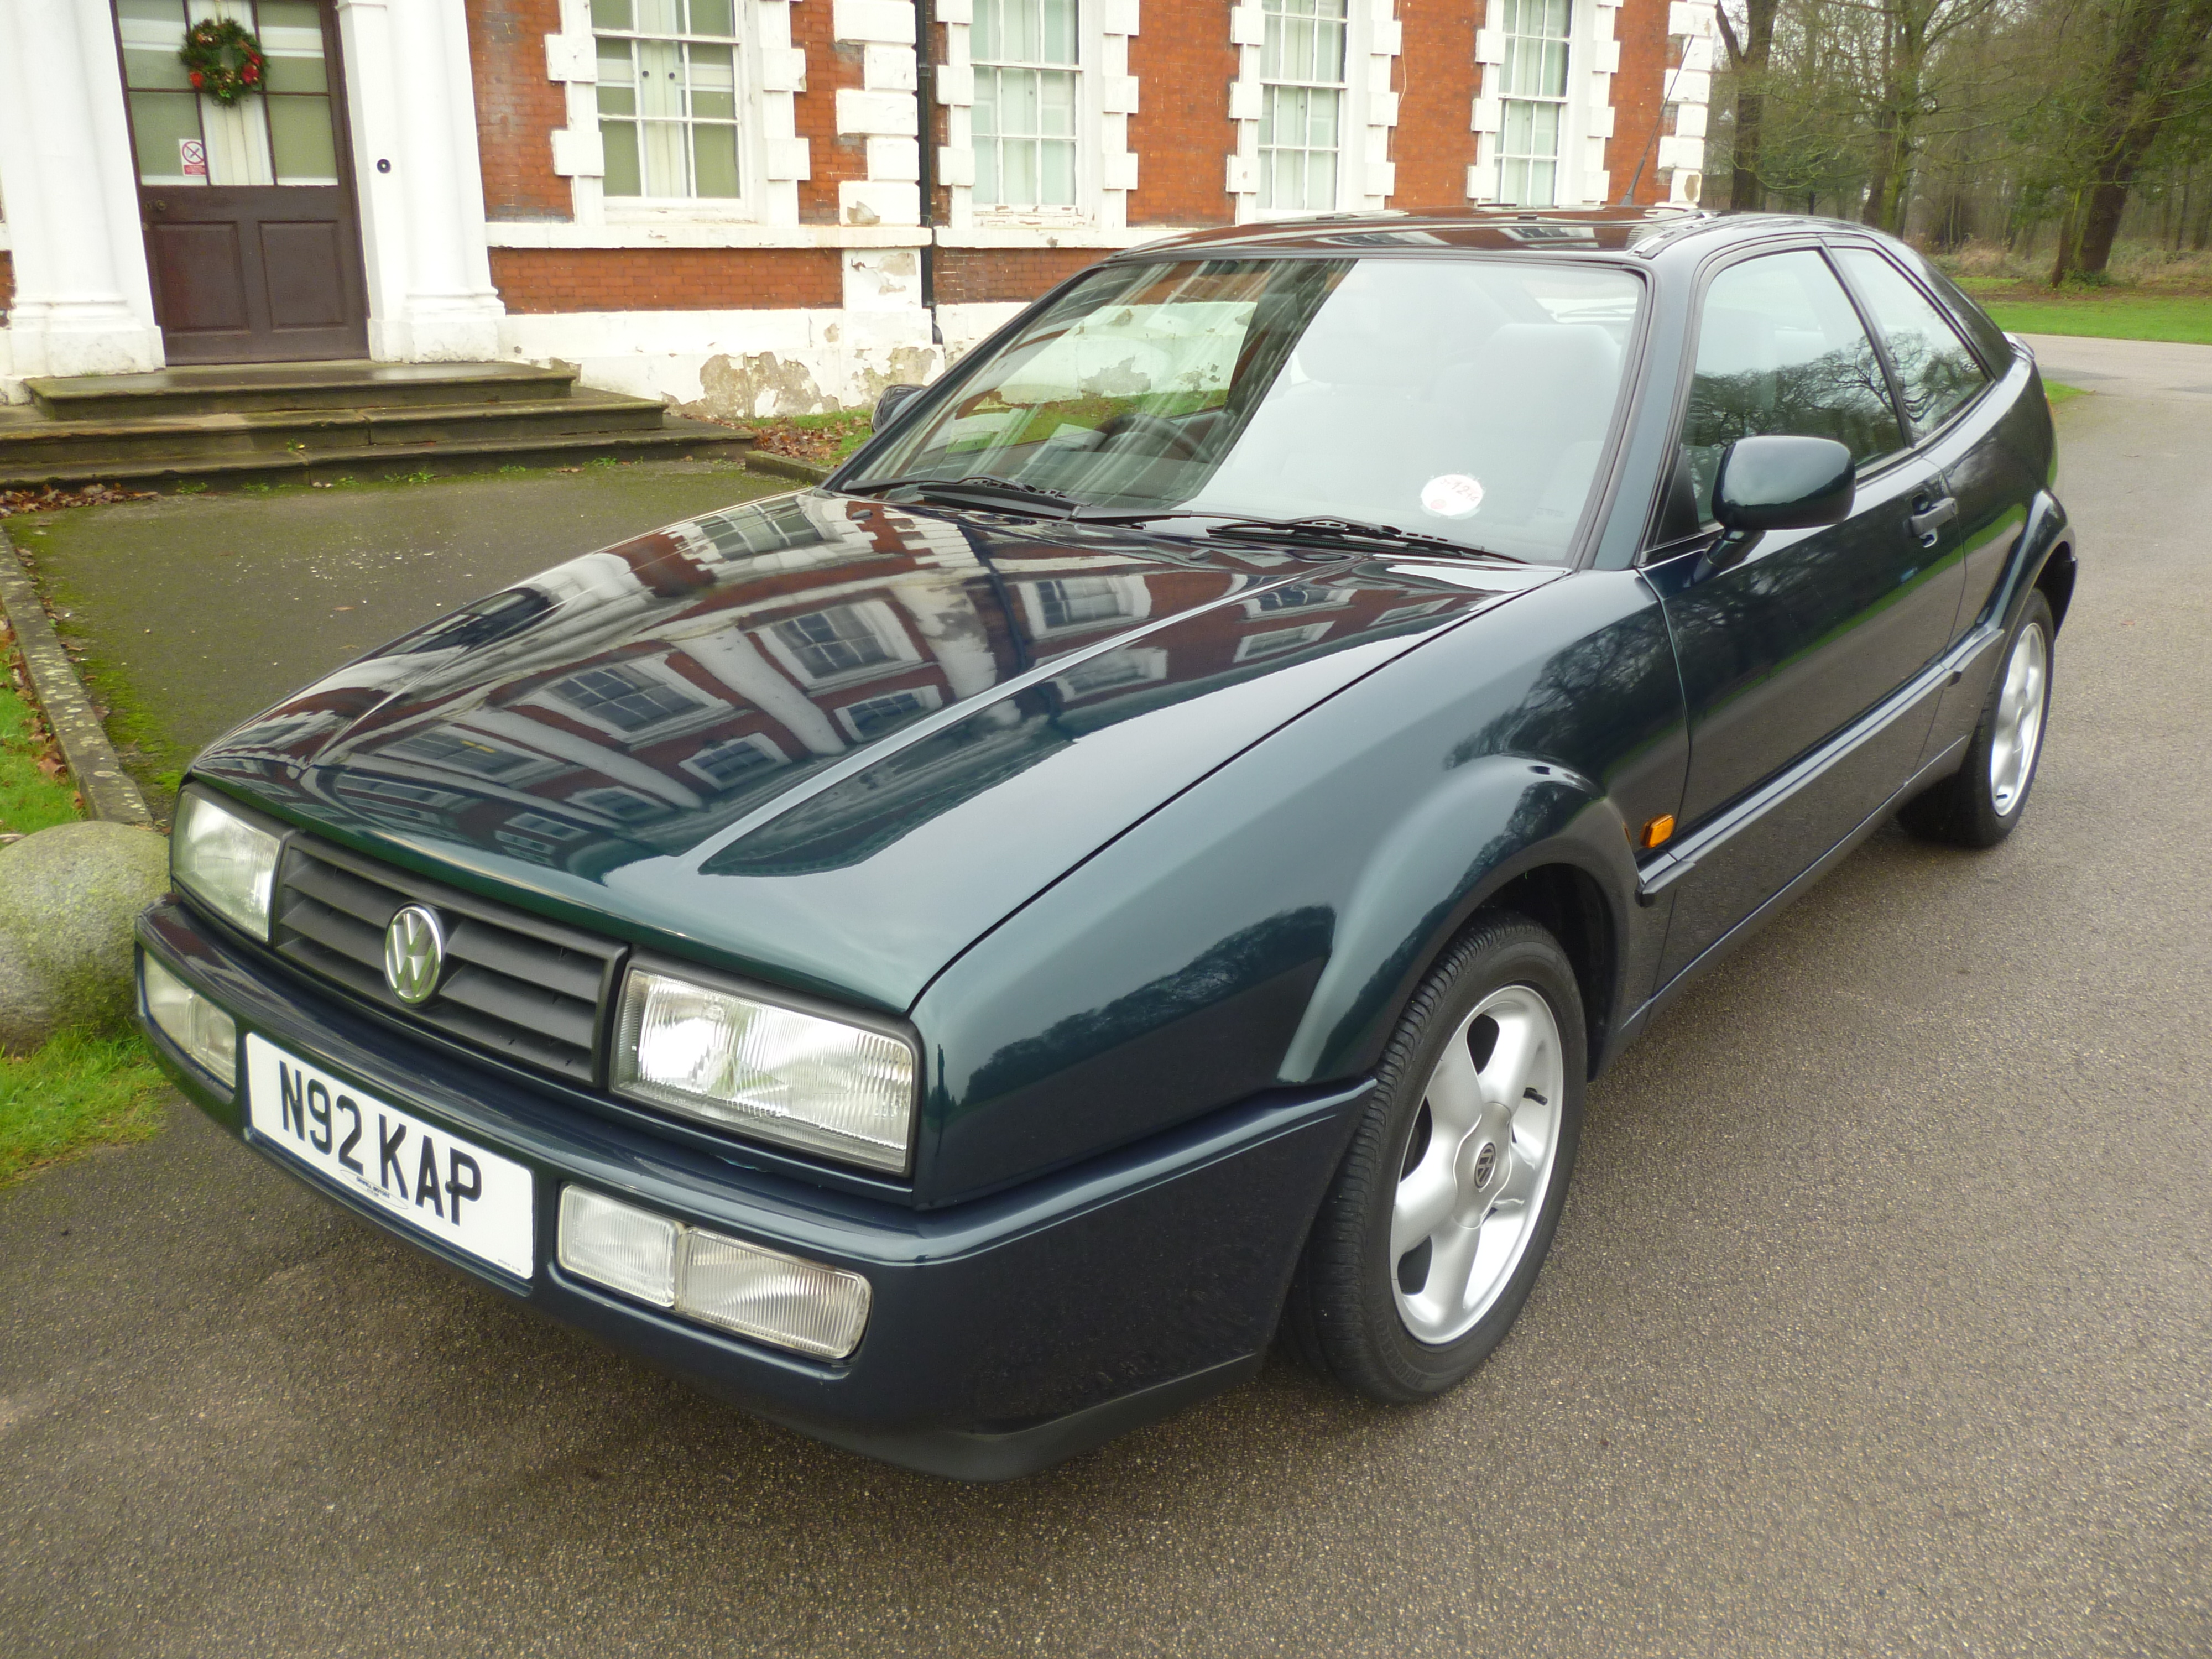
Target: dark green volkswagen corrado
1149,855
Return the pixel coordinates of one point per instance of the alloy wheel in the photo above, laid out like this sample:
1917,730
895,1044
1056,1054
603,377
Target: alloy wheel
2017,733
1477,1164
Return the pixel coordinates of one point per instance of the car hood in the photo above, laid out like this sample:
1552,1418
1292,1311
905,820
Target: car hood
825,741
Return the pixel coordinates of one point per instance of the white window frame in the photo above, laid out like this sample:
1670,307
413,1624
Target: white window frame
928,696
771,752
1312,13
1365,175
880,620
708,708
1079,117
772,158
1270,602
537,767
1105,97
1145,664
685,122
589,800
1135,593
1587,120
1273,641
1519,45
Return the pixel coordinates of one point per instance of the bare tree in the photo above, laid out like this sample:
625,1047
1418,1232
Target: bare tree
1911,33
1748,58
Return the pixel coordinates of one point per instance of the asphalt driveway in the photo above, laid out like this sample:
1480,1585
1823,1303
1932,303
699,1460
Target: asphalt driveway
1881,1322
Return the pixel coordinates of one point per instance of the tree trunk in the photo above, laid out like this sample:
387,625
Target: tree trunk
2139,91
1750,56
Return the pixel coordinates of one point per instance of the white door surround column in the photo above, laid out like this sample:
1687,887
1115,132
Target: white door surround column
83,304
418,180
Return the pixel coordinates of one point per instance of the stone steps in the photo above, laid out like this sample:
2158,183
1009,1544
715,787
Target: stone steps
237,388
264,423
677,441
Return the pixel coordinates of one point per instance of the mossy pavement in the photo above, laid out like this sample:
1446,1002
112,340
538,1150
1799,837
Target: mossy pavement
194,611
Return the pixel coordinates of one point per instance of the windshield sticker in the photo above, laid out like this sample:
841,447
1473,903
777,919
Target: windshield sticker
1451,495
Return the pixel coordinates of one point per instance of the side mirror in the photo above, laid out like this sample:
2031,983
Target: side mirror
1782,483
892,399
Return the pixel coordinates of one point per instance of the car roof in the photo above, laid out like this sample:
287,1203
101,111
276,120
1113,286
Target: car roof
1550,231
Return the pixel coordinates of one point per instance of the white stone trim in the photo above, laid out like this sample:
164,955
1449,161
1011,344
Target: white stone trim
1593,60
995,234
430,294
1365,175
883,109
775,158
679,234
1681,159
1107,95
83,304
682,233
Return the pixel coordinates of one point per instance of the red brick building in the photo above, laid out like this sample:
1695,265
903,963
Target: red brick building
728,203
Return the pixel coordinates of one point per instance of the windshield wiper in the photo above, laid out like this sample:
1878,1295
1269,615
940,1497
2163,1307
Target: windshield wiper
977,487
1324,532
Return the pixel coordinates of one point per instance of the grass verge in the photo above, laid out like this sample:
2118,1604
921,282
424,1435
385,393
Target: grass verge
2184,320
79,1091
34,793
2058,391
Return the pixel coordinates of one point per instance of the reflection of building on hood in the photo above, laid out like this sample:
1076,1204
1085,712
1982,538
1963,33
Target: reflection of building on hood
641,697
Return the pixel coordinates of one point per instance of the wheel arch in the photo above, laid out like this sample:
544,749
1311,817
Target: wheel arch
2055,582
1564,899
1545,843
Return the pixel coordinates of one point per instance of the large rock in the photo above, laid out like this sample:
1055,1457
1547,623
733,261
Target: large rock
68,897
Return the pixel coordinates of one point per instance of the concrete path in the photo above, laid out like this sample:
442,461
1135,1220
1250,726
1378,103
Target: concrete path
2138,369
1881,1322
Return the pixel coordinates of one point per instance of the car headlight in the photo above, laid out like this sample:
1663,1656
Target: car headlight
225,862
801,1078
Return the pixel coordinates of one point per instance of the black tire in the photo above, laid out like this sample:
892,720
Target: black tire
1344,1314
1964,809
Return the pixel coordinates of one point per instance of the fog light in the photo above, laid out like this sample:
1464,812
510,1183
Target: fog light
773,1296
746,1288
625,1248
189,1020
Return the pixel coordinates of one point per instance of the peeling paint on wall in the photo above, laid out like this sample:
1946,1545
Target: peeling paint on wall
758,384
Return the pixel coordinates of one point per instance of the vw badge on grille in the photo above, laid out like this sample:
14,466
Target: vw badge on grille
414,953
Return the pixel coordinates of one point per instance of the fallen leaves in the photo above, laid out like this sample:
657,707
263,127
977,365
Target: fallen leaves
46,501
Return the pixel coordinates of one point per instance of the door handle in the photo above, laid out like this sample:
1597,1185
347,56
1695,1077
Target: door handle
1931,518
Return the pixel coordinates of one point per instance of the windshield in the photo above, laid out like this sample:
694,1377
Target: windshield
1462,398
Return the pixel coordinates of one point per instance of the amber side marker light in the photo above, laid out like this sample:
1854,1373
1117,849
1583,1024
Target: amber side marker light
1658,829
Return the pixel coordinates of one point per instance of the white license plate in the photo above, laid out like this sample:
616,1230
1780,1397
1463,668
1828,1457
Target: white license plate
438,1183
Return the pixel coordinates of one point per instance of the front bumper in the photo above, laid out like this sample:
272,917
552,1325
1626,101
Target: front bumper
1006,1333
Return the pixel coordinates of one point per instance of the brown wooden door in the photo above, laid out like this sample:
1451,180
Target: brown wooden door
251,238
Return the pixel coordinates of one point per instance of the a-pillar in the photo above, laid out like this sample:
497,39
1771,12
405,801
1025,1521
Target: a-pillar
420,182
83,304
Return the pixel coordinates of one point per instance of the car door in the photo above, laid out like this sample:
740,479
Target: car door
1943,385
1793,648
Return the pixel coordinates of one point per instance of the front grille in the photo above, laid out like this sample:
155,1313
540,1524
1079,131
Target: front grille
521,987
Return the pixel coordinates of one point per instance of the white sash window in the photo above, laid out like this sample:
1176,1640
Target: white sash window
1535,84
668,97
1302,108
1026,58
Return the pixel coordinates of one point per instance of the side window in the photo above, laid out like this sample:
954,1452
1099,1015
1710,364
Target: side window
1935,370
1780,350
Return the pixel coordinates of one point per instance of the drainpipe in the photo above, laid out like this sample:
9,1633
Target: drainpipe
925,94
